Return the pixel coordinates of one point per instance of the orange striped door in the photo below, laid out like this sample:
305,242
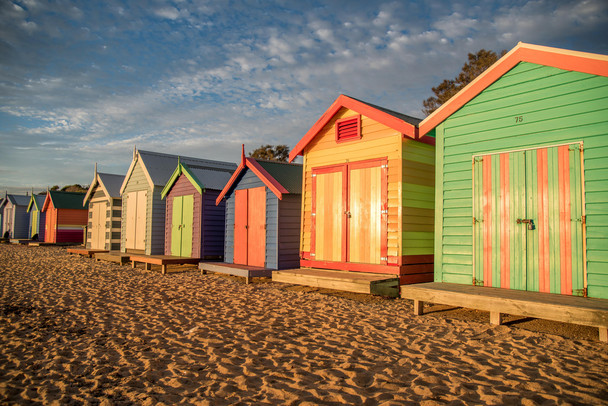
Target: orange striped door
528,220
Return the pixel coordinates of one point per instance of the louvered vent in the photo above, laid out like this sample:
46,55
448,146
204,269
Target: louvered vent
348,129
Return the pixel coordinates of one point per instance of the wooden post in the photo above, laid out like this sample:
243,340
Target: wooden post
132,264
418,307
247,280
163,269
495,318
603,334
147,266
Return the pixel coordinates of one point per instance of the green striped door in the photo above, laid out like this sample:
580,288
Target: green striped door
181,226
34,223
528,220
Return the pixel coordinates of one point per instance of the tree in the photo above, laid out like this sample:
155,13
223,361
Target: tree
271,153
476,65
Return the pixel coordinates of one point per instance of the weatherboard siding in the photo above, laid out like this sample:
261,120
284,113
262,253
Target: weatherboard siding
529,107
289,231
155,233
21,222
418,200
213,224
112,219
378,141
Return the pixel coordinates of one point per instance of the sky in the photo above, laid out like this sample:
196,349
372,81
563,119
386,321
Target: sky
84,82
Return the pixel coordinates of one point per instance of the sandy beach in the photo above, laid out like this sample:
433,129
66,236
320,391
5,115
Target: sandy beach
76,331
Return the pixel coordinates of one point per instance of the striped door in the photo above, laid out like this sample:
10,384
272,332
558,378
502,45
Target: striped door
528,220
34,223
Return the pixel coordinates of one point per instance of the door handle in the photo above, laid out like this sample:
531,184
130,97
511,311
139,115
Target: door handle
348,215
529,222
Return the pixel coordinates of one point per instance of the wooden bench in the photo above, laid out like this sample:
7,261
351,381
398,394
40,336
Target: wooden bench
84,252
162,260
358,282
568,309
245,271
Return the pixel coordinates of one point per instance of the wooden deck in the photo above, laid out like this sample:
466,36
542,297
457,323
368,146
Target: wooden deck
113,256
245,271
569,309
162,260
84,252
359,282
20,241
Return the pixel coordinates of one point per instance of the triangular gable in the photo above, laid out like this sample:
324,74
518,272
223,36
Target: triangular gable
261,173
182,168
47,201
34,202
102,179
136,158
584,62
404,124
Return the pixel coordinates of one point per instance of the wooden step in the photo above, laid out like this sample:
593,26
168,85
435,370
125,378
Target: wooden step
84,252
568,309
162,260
245,271
359,282
112,256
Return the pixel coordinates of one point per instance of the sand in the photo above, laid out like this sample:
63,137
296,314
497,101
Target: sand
76,331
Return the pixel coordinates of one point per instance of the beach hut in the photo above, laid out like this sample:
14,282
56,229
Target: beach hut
105,211
2,217
37,220
522,183
368,191
15,219
66,218
143,210
263,203
194,226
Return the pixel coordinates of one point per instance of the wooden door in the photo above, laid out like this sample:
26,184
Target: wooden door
256,226
250,227
367,213
328,213
136,220
350,213
98,225
34,223
528,220
181,225
51,225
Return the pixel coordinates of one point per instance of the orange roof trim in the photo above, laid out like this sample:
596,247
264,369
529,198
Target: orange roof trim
594,64
360,107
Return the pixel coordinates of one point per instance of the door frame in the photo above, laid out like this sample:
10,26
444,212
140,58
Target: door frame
534,148
345,263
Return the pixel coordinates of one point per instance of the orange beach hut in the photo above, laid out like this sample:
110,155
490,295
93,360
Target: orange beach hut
66,218
368,192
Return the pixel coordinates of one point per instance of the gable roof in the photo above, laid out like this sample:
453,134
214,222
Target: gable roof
109,182
201,177
594,64
36,201
64,200
281,178
400,122
159,167
15,200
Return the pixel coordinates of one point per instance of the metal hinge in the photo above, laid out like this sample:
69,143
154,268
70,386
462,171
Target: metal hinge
579,292
383,211
314,175
383,258
313,214
384,166
584,219
312,254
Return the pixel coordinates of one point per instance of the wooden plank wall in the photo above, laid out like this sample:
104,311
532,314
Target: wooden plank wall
377,141
21,222
529,107
155,233
212,242
289,231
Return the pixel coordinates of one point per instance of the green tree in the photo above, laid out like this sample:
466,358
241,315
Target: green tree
476,65
271,153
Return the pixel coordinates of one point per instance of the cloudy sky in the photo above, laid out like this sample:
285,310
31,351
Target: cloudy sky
86,81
